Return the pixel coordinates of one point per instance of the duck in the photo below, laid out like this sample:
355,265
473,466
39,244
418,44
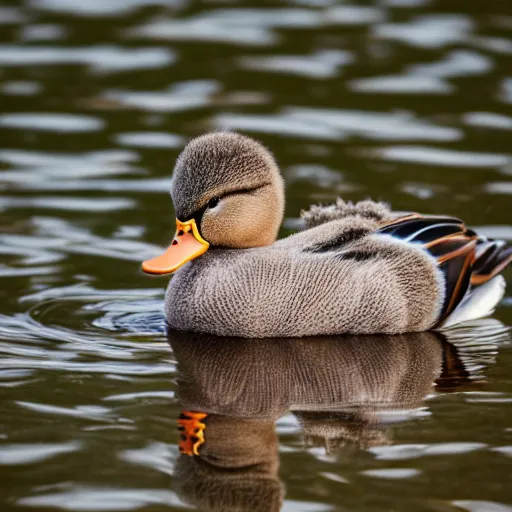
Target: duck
356,268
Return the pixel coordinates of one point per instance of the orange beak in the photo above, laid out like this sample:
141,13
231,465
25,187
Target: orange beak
187,245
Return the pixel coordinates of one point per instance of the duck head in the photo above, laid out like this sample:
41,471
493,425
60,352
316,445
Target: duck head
227,192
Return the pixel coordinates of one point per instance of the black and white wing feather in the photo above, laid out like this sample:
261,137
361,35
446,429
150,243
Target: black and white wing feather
465,258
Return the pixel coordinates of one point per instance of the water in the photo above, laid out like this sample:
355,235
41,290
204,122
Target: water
407,101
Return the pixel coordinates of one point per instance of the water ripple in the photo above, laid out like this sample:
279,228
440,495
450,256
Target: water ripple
103,499
21,454
176,98
443,157
62,123
100,58
405,101
99,7
429,31
322,64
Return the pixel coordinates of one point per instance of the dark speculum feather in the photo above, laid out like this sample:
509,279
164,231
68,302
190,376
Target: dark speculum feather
447,240
491,262
415,226
487,254
431,234
464,258
455,265
447,245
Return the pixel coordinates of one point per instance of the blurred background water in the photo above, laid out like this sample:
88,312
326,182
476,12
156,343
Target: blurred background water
406,101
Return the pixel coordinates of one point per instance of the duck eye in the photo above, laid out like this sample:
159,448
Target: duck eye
212,203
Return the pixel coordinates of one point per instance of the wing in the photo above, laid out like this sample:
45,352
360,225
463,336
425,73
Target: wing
491,257
450,242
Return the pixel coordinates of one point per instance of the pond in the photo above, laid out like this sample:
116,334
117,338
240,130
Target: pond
404,101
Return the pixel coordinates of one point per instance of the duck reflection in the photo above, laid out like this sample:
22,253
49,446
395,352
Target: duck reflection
344,389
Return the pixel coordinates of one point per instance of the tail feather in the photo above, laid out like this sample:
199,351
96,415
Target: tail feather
492,256
479,302
470,263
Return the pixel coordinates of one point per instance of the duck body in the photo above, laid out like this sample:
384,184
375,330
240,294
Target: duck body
359,269
300,287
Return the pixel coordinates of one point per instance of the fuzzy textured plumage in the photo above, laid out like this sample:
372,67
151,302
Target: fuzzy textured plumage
369,210
356,268
289,289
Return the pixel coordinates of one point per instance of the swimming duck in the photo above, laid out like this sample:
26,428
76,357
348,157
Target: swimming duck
356,268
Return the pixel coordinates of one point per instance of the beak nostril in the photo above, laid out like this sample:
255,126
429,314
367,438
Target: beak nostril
186,246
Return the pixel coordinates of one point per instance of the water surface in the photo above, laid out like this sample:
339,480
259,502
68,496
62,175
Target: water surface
407,101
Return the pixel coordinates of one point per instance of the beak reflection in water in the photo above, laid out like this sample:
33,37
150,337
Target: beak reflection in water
344,391
187,245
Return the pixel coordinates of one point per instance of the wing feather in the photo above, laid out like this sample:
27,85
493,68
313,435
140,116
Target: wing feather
449,241
423,229
492,256
456,267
